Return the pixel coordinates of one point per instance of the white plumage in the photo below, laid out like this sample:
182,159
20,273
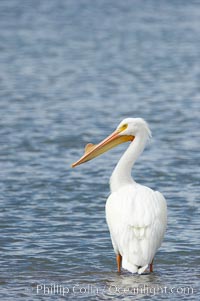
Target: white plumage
136,215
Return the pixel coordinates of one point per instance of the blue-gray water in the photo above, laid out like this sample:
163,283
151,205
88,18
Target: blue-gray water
70,71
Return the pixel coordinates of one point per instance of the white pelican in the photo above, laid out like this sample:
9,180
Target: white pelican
136,215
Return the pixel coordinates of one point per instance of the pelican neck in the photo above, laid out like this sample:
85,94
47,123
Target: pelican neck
122,173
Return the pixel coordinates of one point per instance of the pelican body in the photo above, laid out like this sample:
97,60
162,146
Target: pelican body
136,215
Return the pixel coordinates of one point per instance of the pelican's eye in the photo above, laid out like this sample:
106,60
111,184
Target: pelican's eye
123,127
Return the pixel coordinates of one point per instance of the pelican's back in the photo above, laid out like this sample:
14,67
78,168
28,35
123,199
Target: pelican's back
136,217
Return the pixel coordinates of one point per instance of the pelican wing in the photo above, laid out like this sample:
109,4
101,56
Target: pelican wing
136,216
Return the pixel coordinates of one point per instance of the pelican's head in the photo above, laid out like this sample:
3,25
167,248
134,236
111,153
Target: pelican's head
134,127
127,130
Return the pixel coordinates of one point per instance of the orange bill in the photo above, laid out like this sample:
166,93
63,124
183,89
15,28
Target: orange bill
94,150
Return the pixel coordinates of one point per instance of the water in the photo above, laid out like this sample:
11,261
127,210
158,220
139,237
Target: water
70,71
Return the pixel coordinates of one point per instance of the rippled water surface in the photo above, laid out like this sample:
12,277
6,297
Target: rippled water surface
70,71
